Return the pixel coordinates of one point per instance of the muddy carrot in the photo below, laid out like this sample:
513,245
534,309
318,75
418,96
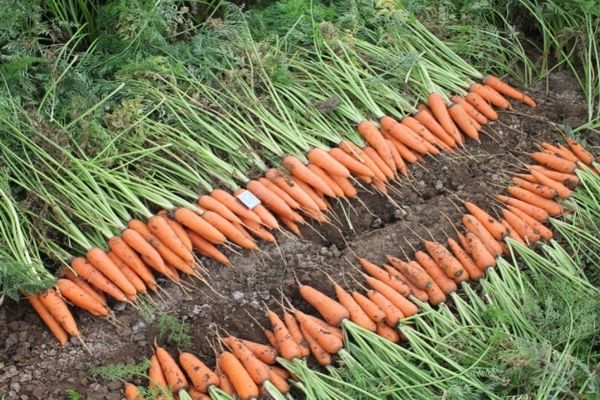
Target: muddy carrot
493,226
52,323
332,311
512,233
554,163
258,371
323,358
531,210
132,392
294,329
337,332
447,262
446,284
467,262
482,257
585,156
375,313
280,383
378,273
481,105
393,314
263,352
507,90
406,306
329,342
413,272
286,345
197,395
388,332
301,171
569,180
560,152
558,188
201,376
271,339
537,188
238,376
224,383
544,232
475,227
551,207
399,276
521,227
435,294
173,374
357,315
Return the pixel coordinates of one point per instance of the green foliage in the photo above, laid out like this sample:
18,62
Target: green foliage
121,372
175,330
73,394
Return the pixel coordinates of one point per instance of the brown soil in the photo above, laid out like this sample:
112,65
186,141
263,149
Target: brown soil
33,366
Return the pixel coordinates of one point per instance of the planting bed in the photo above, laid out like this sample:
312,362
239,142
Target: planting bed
33,366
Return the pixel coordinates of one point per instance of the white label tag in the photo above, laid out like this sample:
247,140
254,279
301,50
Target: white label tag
248,199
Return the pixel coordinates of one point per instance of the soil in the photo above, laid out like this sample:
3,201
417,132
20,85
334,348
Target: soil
34,366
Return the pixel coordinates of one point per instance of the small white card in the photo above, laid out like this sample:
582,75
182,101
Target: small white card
248,199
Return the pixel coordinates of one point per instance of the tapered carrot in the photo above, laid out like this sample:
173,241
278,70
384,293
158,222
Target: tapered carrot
472,111
360,155
447,262
438,107
481,105
201,376
392,314
507,90
52,323
406,306
294,329
378,273
207,249
404,152
490,95
286,345
310,192
130,274
173,374
475,227
125,253
196,223
373,137
263,352
228,229
266,218
88,272
346,185
337,332
293,190
464,121
270,199
381,164
224,382
521,227
400,164
544,232
569,180
211,204
493,226
550,206
353,165
512,233
388,333
446,284
375,313
272,339
179,231
104,264
59,310
531,210
558,188
292,226
258,371
283,373
329,342
132,392
96,294
328,163
327,179
435,294
428,120
399,276
403,134
559,152
301,171
331,310
417,127
279,382
413,272
77,296
156,376
148,253
323,358
357,315
537,188
234,205
554,163
482,257
162,230
467,262
238,376
585,156
257,230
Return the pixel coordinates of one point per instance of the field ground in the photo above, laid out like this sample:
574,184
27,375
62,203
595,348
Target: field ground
33,366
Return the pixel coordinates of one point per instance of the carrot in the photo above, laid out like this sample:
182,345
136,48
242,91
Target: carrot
373,136
435,294
512,233
464,121
400,165
331,310
399,276
91,291
481,105
337,332
537,188
271,339
258,371
324,336
383,167
475,227
554,163
406,306
279,382
416,275
130,274
88,272
357,315
283,373
440,110
521,227
569,180
211,204
266,218
263,352
286,345
472,111
328,163
467,262
271,199
482,257
173,374
77,296
304,174
427,263
388,333
403,151
360,155
229,230
201,376
148,253
544,232
428,120
52,323
224,382
100,260
558,188
493,226
392,314
450,265
582,154
121,249
207,249
291,189
417,127
160,228
234,205
294,329
257,230
375,313
550,206
197,395
181,233
562,152
293,204
508,90
59,310
531,210
353,165
198,224
238,376
327,179
403,134
323,358
378,273
132,392
156,376
490,95
346,185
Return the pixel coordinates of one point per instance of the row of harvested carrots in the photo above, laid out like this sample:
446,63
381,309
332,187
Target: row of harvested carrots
431,276
165,243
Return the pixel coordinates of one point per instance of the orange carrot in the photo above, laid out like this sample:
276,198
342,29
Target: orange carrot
132,392
337,332
353,165
125,253
375,313
495,228
508,90
179,231
234,205
403,134
197,395
59,310
417,127
173,374
271,199
482,257
328,341
156,376
267,219
323,358
328,179
162,230
537,188
378,273
404,152
52,323
238,376
130,274
481,105
293,190
301,171
467,262
280,383
490,95
381,164
544,232
406,306
446,284
400,165
229,230
148,253
357,315
429,121
399,276
531,210
328,163
271,339
554,163
77,296
207,249
569,180
475,227
472,111
346,185
440,110
373,136
512,233
450,265
559,189
257,230
96,278
294,329
413,272
435,294
392,314
91,291
464,121
310,192
521,227
584,156
201,376
388,333
211,204
258,371
100,260
263,352
551,207
331,310
292,227
562,152
196,223
224,383
286,345
361,156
